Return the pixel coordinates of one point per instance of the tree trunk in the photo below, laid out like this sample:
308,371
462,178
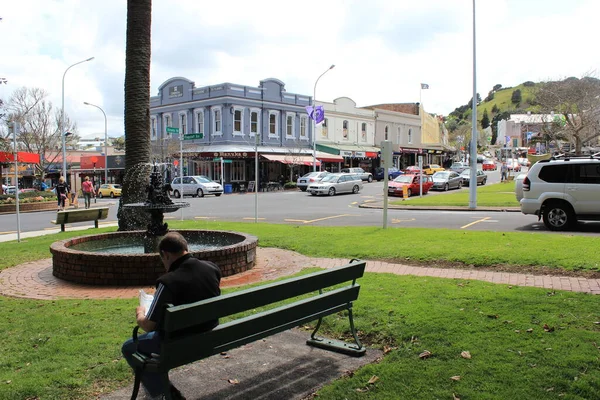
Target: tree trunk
137,113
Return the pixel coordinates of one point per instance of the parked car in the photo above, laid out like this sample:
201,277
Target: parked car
466,177
513,165
393,173
489,165
431,169
10,190
333,184
519,186
459,166
523,161
445,180
413,169
109,189
195,186
306,179
561,192
364,175
411,181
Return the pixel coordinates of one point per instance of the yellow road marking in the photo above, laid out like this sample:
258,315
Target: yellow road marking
318,219
252,218
396,221
475,222
7,232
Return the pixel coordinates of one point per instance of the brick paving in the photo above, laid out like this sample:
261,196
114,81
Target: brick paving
34,280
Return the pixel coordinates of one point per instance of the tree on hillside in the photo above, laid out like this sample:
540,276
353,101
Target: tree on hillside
578,103
495,109
485,119
497,87
516,96
137,111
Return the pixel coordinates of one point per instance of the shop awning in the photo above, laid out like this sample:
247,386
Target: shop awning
291,159
348,150
23,157
326,157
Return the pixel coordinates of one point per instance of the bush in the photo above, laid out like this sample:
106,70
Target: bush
290,185
28,197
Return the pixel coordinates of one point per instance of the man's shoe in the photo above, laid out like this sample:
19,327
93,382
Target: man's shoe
175,393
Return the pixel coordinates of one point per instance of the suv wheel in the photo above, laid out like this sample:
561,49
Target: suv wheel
558,216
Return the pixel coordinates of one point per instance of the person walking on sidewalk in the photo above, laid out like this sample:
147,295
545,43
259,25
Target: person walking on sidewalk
62,190
88,191
503,171
187,280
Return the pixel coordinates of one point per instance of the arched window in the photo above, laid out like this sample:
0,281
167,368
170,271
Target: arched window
345,129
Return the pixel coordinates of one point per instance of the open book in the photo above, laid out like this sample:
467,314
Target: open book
146,300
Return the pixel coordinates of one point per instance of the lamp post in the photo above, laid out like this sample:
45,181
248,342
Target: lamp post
473,155
62,121
315,122
105,141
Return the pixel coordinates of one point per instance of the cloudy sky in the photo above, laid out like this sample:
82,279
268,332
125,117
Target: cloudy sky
382,49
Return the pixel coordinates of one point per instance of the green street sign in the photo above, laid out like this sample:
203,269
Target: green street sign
193,136
227,161
172,130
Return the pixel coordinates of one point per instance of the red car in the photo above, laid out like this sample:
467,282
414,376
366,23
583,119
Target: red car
413,169
396,186
489,165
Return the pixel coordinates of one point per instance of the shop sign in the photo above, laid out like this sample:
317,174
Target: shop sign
352,154
234,154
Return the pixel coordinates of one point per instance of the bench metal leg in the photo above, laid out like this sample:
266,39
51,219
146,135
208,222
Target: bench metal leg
355,350
96,223
136,385
166,385
62,227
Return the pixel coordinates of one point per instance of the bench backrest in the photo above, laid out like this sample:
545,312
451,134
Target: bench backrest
91,214
180,347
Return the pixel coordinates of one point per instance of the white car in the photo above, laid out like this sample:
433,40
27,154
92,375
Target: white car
333,184
312,177
562,191
195,186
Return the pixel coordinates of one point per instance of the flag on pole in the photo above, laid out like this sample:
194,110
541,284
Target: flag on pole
317,114
424,86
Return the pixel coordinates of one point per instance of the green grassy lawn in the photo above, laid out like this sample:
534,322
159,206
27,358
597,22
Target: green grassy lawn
496,195
70,349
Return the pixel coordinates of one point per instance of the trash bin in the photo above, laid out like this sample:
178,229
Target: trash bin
227,188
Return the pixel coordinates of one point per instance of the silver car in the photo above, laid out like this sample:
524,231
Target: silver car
196,186
445,180
364,175
466,177
312,177
336,183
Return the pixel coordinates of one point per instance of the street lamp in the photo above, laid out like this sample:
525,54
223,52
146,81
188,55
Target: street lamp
62,122
314,120
105,141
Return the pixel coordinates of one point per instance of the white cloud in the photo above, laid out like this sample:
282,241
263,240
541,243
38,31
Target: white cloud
382,49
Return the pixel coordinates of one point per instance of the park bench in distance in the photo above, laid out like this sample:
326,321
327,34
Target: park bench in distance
180,345
71,216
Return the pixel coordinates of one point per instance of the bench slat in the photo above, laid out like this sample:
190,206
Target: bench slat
183,350
185,316
71,216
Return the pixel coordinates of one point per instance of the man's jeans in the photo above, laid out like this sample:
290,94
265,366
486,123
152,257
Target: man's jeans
147,343
88,197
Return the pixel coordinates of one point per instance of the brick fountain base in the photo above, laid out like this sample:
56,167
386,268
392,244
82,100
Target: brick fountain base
79,259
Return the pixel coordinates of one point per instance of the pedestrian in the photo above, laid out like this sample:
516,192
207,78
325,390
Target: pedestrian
43,186
187,280
503,171
88,191
61,189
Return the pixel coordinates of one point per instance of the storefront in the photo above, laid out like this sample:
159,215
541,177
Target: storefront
26,170
366,157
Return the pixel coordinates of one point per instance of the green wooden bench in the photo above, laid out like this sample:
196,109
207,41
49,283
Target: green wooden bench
71,216
180,347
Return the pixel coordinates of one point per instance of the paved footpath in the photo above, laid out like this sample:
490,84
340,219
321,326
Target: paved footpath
35,280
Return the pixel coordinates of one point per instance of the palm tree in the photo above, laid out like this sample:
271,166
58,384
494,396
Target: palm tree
137,112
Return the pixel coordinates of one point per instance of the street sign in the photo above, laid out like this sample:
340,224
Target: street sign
172,130
227,161
193,136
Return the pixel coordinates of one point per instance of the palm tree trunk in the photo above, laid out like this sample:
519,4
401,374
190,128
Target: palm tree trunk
137,113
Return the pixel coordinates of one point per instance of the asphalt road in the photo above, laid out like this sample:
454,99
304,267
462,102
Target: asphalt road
300,208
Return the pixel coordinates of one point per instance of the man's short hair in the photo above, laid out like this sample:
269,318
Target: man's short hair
173,242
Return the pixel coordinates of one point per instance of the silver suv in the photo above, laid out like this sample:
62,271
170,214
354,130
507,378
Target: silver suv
364,175
562,191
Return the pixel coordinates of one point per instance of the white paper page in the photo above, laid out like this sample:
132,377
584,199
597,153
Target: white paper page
146,300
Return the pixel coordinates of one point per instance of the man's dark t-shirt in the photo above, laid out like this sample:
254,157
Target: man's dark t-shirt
188,280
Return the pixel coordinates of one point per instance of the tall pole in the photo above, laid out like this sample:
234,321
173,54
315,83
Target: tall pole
315,121
256,139
62,121
473,153
105,141
181,167
15,155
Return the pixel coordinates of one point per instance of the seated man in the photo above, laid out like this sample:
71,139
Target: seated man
187,280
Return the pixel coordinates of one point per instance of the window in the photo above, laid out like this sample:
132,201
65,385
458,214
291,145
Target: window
345,129
589,173
254,122
238,171
386,132
324,132
363,131
167,123
199,112
410,135
217,128
183,123
153,127
399,135
303,127
289,125
555,173
238,120
273,124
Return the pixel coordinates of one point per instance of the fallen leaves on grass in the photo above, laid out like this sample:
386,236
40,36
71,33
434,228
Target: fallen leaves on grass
455,378
387,349
454,397
373,379
233,381
425,354
465,354
529,330
548,328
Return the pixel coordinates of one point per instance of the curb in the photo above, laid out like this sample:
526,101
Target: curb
379,205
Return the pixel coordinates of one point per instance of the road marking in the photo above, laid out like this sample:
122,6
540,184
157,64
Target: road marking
369,201
475,222
252,218
396,221
168,217
318,219
7,232
205,217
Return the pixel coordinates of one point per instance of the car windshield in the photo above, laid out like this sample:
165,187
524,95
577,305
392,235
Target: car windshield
117,186
466,172
404,179
441,174
457,165
330,178
202,179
